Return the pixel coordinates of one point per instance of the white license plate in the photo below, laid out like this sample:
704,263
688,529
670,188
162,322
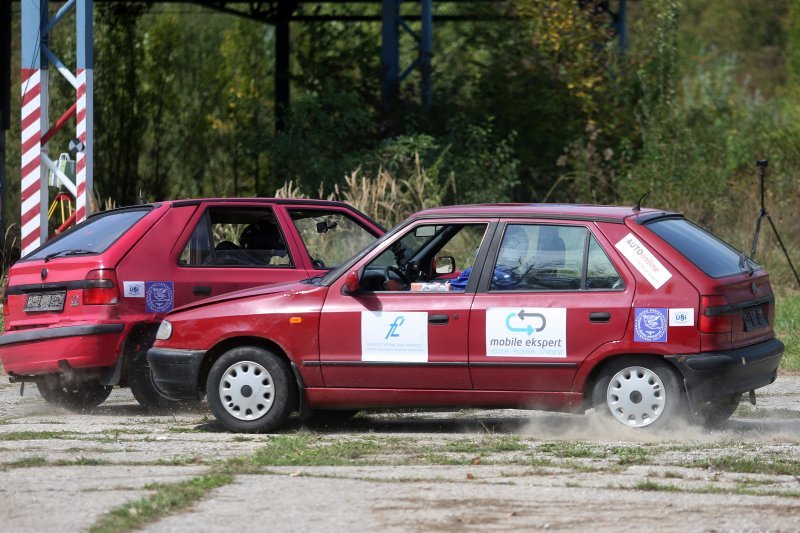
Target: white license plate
45,301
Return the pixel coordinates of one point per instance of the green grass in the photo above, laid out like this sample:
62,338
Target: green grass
745,465
787,329
38,435
306,449
168,498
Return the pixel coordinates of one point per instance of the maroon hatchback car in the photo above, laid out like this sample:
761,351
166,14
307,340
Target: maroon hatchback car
640,314
81,311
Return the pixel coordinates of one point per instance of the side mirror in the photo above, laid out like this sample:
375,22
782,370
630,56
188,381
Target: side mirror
444,265
350,283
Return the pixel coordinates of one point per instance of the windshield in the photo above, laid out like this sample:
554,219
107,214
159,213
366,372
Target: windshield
708,252
93,236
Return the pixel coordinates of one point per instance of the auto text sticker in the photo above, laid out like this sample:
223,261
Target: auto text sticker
160,296
526,331
133,289
650,324
643,261
394,337
681,317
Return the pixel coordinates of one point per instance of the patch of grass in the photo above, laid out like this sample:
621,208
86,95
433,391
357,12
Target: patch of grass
671,474
747,465
633,455
748,411
38,435
486,445
655,486
183,429
82,461
117,431
303,449
4,421
168,498
787,329
26,462
571,449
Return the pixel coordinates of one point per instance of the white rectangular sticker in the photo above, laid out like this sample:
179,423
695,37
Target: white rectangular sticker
133,289
526,332
394,337
643,260
681,317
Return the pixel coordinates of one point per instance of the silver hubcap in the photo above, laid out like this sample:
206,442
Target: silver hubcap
636,396
246,390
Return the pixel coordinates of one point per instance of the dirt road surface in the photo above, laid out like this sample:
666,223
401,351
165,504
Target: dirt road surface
402,471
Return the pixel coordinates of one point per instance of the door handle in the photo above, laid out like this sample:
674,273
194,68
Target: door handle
599,316
201,290
438,319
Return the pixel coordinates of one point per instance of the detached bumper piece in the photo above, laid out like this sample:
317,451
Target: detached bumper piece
714,375
175,372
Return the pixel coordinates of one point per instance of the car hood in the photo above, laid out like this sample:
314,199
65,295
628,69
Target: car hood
287,288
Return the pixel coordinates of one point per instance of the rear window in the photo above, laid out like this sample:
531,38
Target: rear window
708,252
93,236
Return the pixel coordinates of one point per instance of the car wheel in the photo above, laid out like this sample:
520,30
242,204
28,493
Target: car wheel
81,396
716,413
639,394
251,390
140,380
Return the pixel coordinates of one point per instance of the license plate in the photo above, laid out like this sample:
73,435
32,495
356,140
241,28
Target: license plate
45,301
755,318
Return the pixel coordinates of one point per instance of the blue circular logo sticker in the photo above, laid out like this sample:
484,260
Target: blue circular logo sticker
650,325
159,296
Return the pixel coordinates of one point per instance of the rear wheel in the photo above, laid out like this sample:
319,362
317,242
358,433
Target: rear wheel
639,393
251,390
80,396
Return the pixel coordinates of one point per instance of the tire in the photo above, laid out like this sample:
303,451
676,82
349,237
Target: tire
81,396
251,390
716,413
140,380
640,394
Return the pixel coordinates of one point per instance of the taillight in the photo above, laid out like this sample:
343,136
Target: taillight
100,288
715,317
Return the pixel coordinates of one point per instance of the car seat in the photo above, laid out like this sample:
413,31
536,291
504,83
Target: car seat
262,240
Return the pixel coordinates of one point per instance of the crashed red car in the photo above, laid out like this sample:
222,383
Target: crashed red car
82,310
637,313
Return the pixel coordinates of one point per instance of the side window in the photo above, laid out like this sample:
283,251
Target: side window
236,237
428,258
330,237
540,257
600,272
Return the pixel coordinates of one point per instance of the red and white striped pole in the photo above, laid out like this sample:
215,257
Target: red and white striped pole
85,122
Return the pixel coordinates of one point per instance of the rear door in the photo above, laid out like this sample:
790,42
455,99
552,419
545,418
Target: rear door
549,296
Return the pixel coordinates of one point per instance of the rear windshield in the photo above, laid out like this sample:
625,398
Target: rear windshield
93,236
708,252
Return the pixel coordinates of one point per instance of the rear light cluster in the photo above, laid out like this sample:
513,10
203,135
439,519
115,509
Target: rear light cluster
101,288
714,317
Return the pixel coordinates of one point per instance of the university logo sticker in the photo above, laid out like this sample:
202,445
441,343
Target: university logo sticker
394,337
650,325
133,289
159,296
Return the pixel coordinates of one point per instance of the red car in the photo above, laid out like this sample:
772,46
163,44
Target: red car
81,311
641,314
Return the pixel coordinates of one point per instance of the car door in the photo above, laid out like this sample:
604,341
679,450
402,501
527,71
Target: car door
549,296
227,247
392,334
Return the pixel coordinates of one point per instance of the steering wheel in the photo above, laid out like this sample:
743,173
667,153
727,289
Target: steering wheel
399,273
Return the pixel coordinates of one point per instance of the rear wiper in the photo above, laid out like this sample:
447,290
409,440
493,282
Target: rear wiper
744,261
66,252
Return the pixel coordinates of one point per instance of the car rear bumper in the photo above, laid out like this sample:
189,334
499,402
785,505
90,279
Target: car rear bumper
40,351
717,375
176,372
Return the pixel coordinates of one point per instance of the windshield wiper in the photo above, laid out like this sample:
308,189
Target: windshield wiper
66,252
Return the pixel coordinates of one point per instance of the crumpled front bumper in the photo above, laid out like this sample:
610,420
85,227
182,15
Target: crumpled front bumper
176,372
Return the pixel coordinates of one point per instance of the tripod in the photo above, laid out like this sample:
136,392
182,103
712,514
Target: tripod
762,170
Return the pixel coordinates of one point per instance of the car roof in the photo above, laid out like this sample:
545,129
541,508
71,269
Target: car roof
604,213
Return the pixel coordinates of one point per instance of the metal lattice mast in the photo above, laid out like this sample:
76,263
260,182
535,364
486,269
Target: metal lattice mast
35,131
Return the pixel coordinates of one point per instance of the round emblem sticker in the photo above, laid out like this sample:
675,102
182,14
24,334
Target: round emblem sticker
159,296
650,325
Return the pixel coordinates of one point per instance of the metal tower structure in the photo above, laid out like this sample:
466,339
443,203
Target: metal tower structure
35,129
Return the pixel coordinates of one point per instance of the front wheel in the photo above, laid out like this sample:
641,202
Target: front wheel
639,393
251,390
140,380
80,396
716,413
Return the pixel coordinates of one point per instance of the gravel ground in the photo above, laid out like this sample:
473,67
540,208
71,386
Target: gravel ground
63,471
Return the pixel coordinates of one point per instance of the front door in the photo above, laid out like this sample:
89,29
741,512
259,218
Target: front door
408,325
